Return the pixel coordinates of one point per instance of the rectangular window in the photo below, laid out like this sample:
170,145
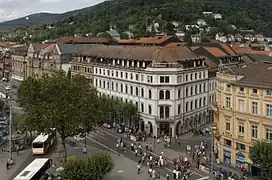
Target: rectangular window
241,105
142,107
240,146
108,72
269,92
241,129
227,142
269,110
142,78
179,108
161,79
121,74
268,134
254,107
254,131
126,75
228,102
150,79
186,77
227,126
254,91
131,76
137,77
149,109
166,79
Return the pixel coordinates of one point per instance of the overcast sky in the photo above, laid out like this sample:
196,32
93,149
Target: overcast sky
12,9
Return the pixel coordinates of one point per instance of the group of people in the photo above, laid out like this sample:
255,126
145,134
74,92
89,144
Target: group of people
182,167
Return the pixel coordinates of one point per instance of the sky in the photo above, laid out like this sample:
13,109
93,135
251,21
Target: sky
12,9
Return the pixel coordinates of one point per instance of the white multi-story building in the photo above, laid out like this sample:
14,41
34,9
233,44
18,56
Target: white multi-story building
169,85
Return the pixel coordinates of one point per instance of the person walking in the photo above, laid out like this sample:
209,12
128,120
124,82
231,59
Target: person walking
138,168
7,165
167,177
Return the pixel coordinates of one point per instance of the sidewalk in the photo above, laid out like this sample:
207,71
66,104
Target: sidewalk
19,161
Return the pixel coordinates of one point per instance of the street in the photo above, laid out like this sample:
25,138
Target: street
100,141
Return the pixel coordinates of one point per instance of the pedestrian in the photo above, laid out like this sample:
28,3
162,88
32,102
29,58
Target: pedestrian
7,165
153,174
150,172
139,168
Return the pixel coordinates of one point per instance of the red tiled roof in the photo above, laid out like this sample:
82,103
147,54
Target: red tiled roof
147,40
215,51
7,44
87,40
176,44
228,49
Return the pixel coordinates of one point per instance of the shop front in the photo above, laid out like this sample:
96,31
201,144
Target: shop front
227,157
240,160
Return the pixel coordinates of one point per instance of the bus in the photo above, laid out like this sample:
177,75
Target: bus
36,170
43,142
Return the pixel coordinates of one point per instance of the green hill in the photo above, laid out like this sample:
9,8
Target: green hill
246,14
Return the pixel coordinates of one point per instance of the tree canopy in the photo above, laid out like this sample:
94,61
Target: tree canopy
94,167
261,155
249,14
59,101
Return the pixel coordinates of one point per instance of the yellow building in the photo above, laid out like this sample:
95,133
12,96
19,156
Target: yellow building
243,112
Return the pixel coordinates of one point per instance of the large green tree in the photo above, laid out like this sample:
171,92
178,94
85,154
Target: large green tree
261,155
94,167
59,101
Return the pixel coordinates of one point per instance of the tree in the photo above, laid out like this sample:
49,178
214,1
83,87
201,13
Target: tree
261,155
59,101
94,167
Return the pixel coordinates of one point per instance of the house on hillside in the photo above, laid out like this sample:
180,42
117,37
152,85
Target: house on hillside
114,34
217,16
201,22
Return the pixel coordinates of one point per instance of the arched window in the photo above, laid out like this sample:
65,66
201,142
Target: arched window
179,94
166,112
161,94
121,88
196,89
167,94
142,92
112,86
100,83
137,91
186,92
136,104
192,90
126,89
191,105
161,112
149,94
186,106
131,90
116,87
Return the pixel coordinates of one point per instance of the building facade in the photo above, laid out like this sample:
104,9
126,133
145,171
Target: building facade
169,85
243,113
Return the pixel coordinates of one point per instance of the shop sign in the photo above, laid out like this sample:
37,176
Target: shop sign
240,157
227,153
